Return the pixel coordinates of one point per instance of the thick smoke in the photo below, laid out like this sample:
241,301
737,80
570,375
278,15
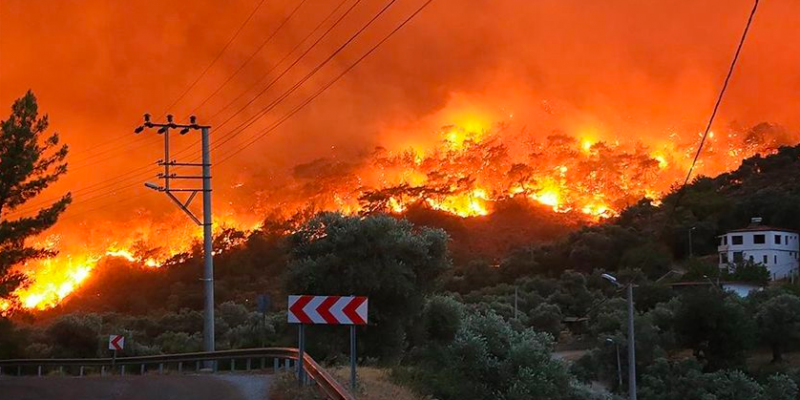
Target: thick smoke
615,70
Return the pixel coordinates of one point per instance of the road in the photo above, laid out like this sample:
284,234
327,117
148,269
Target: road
149,387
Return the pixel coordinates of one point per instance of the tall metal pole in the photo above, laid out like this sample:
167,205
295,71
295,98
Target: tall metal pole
691,250
301,339
619,365
208,250
631,346
353,358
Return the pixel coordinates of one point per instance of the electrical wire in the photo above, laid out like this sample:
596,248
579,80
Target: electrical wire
681,189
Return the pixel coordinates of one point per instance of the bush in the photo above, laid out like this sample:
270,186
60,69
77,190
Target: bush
75,336
489,359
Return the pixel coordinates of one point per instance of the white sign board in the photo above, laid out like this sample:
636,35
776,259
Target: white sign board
116,342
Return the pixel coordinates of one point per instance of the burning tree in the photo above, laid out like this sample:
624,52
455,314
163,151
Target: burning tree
29,163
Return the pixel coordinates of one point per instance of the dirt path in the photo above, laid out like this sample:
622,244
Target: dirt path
166,387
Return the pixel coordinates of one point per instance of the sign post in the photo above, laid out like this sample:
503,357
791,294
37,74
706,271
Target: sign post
353,358
328,310
263,305
115,343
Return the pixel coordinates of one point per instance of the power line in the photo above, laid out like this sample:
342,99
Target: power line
250,58
218,56
247,123
255,117
100,185
192,85
266,75
722,92
324,88
681,190
150,141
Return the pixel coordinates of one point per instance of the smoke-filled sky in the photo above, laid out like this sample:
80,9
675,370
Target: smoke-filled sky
614,69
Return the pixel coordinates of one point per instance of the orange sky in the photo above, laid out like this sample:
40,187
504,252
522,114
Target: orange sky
619,68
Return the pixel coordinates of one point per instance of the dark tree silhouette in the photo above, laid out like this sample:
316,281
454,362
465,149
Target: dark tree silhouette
30,161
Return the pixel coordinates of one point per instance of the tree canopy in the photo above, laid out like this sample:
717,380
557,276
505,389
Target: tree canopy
392,262
30,161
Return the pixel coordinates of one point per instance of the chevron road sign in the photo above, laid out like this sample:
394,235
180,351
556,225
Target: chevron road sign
328,310
116,342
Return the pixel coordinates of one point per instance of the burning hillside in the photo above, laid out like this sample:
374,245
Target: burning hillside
466,174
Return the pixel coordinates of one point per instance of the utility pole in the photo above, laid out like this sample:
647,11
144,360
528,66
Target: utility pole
619,362
691,252
206,223
631,336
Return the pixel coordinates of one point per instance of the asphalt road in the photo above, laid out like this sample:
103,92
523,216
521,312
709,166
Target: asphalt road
148,387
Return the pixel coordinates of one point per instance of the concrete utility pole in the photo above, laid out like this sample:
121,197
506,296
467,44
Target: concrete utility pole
208,270
619,363
631,337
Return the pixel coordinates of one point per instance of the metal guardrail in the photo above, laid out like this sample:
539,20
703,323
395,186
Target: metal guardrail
326,384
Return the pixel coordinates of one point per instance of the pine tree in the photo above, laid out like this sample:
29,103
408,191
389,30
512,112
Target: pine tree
30,161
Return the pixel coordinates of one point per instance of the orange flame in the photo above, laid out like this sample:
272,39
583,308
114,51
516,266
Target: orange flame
470,169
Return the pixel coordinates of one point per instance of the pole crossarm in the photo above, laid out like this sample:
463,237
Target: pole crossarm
166,176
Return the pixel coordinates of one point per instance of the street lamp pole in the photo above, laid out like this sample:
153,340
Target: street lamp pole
631,336
691,250
619,363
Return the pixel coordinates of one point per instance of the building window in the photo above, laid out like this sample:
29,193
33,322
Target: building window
776,259
777,239
737,240
738,256
759,239
723,258
765,260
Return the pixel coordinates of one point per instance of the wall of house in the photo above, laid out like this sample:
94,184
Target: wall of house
761,247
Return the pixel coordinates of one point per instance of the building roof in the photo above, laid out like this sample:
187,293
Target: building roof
761,228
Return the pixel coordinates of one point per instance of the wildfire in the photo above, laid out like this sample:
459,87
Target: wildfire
472,167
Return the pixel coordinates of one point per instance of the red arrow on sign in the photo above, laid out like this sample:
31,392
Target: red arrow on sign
297,309
351,310
116,342
324,310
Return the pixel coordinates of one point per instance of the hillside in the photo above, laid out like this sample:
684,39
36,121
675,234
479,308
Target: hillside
521,238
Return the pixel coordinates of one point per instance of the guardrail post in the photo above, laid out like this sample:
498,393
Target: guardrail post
263,363
233,364
122,370
19,370
81,373
61,370
275,365
141,369
40,370
180,367
161,369
197,365
103,370
248,364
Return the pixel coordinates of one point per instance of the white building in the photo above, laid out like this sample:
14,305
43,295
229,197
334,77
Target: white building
775,248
